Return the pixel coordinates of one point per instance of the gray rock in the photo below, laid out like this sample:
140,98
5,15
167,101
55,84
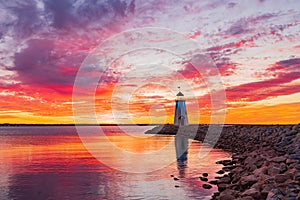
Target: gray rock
206,186
290,161
283,168
295,156
278,159
248,180
275,194
245,198
213,182
292,196
266,189
252,192
205,174
291,187
221,187
229,168
259,171
237,170
289,137
281,178
203,179
227,195
224,180
272,171
251,167
297,176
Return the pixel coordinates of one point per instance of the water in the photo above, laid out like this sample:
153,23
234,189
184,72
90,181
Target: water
52,163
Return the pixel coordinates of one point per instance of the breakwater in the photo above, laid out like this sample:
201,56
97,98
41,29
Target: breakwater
265,159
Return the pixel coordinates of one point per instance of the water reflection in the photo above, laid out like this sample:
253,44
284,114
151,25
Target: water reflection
48,164
181,147
70,185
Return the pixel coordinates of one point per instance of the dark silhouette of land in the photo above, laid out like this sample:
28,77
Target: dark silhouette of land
8,124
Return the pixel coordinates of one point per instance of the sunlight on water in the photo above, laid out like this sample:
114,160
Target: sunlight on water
52,163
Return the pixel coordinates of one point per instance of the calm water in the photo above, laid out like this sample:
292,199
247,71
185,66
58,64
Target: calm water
52,163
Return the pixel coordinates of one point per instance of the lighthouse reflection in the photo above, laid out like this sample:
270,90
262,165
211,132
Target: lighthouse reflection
181,145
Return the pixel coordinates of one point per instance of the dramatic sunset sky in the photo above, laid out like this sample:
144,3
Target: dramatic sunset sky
255,45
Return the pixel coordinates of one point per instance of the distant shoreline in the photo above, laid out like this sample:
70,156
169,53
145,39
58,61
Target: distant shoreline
7,124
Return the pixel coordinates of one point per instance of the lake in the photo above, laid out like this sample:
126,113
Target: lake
52,162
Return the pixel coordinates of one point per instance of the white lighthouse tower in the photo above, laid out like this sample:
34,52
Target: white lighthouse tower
180,117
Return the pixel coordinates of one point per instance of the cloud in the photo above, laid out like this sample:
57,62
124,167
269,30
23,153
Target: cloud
39,65
43,43
71,13
221,64
21,19
226,67
282,67
283,72
52,37
61,11
248,24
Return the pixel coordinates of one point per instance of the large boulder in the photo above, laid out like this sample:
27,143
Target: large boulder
278,159
224,179
259,171
227,195
248,181
251,192
275,194
274,170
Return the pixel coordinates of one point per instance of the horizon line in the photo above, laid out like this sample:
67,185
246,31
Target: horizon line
142,124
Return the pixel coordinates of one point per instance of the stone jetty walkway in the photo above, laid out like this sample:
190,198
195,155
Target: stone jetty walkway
265,160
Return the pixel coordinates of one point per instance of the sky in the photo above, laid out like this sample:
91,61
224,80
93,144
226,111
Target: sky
254,45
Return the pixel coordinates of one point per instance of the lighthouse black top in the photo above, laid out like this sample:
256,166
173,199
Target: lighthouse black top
179,94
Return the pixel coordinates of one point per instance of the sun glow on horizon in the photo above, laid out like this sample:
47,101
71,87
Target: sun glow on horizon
255,48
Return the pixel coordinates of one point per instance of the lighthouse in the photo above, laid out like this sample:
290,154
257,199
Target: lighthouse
180,117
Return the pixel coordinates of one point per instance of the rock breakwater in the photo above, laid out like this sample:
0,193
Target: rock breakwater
265,159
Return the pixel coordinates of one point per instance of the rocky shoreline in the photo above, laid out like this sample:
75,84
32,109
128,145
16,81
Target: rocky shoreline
265,160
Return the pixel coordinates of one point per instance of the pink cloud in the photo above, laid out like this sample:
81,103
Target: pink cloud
284,72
